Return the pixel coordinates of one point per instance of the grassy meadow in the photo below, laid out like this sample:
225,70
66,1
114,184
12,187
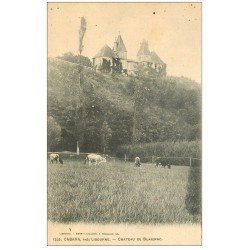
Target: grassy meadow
118,192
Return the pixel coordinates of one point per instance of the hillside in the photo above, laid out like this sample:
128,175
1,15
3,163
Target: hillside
138,109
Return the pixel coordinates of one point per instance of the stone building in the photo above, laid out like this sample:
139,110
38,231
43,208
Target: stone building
116,58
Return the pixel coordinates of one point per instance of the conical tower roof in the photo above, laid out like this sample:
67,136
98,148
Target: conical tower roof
105,51
120,47
144,50
156,59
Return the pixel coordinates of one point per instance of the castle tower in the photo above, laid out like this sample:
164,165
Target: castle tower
119,48
143,54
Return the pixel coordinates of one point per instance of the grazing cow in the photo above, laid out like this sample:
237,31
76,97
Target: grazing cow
95,159
55,158
163,162
137,161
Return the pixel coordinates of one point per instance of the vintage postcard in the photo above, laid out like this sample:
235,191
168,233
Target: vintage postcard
124,124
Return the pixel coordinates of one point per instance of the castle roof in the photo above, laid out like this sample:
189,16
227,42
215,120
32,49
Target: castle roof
144,50
105,51
155,58
120,45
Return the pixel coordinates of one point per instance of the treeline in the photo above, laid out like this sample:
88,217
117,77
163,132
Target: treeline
103,111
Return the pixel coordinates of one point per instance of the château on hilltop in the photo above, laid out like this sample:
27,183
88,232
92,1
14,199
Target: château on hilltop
115,59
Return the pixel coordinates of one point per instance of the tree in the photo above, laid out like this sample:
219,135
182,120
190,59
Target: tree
142,95
54,133
117,65
138,107
82,31
106,134
105,66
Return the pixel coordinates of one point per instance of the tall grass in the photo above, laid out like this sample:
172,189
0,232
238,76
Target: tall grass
118,193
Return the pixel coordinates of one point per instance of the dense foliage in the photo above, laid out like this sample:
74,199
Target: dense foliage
54,133
130,109
79,59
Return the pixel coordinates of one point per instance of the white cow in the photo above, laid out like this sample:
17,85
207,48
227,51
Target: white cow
95,159
55,158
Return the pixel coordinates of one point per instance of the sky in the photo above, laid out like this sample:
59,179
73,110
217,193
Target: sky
173,31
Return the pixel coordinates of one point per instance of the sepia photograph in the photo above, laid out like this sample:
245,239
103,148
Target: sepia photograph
124,123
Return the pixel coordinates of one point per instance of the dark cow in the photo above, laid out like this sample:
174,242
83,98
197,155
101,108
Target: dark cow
55,158
163,162
137,161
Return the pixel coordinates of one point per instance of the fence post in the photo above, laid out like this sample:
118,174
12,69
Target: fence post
152,160
125,158
77,148
190,161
